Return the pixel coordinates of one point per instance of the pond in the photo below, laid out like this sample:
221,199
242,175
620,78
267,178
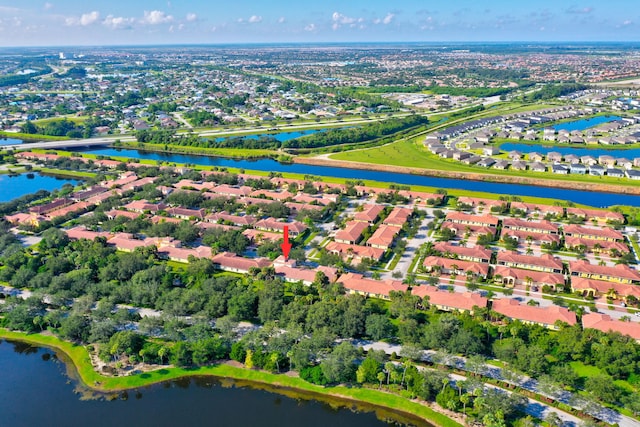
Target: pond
25,183
35,391
583,124
598,199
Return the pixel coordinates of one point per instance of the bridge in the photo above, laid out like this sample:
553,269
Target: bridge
69,143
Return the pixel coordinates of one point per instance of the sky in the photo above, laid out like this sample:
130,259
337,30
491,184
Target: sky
133,22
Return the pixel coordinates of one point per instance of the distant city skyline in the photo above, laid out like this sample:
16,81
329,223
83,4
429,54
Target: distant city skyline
87,22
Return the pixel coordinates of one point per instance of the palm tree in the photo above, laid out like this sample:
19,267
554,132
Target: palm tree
465,398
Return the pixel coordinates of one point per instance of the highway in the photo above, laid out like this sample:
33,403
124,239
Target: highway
68,143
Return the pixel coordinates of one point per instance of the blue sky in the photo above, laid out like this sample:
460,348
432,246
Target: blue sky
90,22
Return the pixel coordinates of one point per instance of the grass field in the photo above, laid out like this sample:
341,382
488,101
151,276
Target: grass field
31,137
79,357
63,172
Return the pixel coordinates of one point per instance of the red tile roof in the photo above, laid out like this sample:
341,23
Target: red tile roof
463,266
463,218
474,252
357,283
352,232
547,316
619,271
456,300
515,259
605,323
540,226
384,236
369,213
358,252
593,233
234,262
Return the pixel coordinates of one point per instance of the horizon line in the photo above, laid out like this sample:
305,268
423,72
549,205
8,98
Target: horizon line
277,43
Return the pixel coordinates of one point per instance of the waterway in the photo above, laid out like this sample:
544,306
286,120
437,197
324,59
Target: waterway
281,136
629,153
583,124
10,141
598,199
16,186
35,391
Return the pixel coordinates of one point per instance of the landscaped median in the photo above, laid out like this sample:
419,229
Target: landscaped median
79,356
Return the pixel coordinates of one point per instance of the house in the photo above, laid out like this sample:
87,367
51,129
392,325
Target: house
292,273
580,244
605,323
616,173
533,226
491,151
474,254
554,156
469,219
501,164
571,158
544,262
578,168
596,170
369,214
548,317
357,283
486,162
560,169
295,228
592,233
519,165
352,233
356,253
537,167
384,236
450,301
632,174
598,288
535,157
479,204
620,273
231,262
455,266
511,277
398,216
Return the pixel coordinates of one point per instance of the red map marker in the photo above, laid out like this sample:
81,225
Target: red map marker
286,245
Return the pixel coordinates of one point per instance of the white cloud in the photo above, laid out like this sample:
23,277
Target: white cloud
118,22
84,20
48,6
339,19
192,17
310,27
156,17
580,10
89,18
387,19
254,19
281,20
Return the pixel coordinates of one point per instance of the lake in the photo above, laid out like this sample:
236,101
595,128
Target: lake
597,199
630,153
35,391
25,183
583,124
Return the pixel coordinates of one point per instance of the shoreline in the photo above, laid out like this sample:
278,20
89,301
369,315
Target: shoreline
80,368
481,177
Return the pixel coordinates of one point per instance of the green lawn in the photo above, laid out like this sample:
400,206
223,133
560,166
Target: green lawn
79,357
